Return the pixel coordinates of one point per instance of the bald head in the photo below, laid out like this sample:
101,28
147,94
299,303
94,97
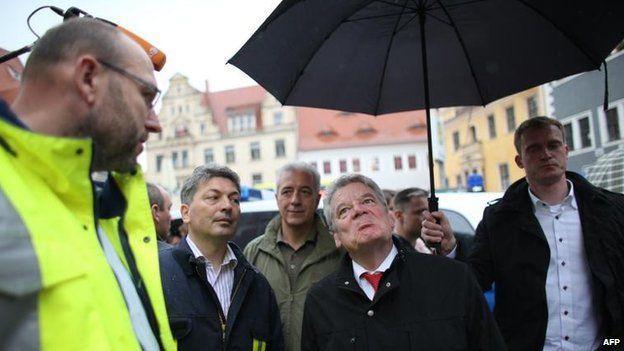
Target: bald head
84,78
70,40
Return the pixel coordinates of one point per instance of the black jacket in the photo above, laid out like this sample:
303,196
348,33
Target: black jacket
195,312
511,250
424,302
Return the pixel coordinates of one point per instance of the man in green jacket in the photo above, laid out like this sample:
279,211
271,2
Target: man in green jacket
296,249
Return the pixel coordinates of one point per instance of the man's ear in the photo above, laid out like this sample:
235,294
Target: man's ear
155,212
398,215
518,160
88,79
337,240
184,211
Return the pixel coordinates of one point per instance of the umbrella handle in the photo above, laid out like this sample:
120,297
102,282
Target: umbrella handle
433,206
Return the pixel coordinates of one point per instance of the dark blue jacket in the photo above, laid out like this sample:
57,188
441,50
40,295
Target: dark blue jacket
195,312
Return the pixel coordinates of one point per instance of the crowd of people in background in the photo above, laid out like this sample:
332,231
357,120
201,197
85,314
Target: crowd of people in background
105,269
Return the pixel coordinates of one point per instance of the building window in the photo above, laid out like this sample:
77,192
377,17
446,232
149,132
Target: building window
326,167
185,161
314,164
356,164
181,131
375,164
202,129
208,156
230,156
491,126
256,178
255,150
343,166
569,136
473,133
411,161
613,124
578,132
503,170
584,132
455,140
398,163
532,106
511,119
280,148
174,158
159,160
241,122
277,118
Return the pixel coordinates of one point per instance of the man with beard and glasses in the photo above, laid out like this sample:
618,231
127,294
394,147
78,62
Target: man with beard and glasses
79,267
553,246
386,296
215,299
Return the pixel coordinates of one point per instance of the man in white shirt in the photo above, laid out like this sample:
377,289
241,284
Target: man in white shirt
553,247
386,296
215,299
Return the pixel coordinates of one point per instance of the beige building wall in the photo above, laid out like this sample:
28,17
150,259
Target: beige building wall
470,143
191,137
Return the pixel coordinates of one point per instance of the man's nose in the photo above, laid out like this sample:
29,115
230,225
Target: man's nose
152,125
295,198
359,209
226,204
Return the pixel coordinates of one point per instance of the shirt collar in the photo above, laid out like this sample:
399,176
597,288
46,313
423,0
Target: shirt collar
229,254
570,199
8,115
385,264
310,238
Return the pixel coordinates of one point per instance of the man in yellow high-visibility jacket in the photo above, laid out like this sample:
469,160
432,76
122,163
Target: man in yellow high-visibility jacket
79,264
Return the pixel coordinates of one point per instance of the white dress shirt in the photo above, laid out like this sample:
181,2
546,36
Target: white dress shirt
359,270
573,322
221,278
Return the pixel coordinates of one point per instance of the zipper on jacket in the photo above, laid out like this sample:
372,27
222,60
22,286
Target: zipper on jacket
224,325
220,314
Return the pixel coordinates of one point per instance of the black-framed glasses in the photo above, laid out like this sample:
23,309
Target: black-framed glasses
154,92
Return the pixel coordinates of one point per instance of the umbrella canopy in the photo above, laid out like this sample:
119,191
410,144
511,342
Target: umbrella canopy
608,171
383,56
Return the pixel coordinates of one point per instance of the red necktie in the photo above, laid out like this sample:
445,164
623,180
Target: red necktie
373,279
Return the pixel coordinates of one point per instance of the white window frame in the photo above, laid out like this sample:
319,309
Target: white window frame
602,122
576,131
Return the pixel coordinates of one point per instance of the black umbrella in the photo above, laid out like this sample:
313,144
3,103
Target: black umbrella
383,56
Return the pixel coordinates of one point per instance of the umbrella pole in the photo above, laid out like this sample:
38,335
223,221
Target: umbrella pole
433,200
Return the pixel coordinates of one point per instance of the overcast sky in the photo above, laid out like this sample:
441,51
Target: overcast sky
198,36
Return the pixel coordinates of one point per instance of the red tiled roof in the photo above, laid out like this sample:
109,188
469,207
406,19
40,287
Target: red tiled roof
9,86
327,129
235,99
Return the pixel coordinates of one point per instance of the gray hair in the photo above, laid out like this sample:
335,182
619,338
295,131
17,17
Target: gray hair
302,167
203,174
404,196
155,195
71,39
342,182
